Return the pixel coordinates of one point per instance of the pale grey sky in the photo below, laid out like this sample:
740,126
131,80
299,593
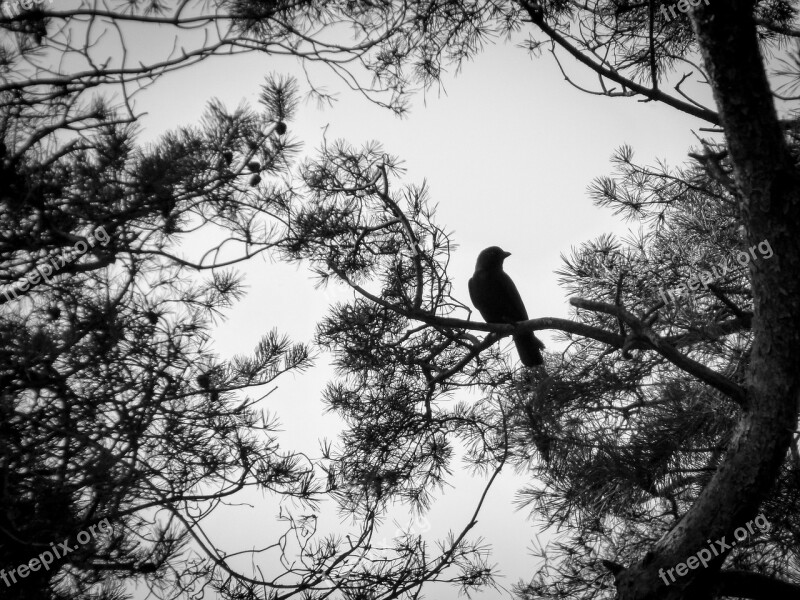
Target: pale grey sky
508,153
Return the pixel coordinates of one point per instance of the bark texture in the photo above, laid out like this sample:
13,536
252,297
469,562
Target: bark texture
769,188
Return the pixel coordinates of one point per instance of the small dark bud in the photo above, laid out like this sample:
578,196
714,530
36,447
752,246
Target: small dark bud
228,156
152,317
54,312
203,381
254,166
280,127
255,180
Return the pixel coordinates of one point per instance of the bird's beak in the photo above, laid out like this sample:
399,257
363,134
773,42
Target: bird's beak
506,254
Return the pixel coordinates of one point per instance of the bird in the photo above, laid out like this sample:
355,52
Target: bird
496,297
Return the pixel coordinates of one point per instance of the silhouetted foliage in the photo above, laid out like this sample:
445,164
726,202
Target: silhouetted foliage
658,427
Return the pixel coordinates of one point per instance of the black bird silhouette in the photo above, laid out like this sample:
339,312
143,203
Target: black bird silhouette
496,297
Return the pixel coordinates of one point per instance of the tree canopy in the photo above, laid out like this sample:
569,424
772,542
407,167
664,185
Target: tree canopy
665,424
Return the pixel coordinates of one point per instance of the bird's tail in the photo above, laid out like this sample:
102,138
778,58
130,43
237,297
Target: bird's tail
529,348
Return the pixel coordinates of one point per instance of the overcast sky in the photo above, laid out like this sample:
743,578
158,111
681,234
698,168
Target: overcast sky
508,152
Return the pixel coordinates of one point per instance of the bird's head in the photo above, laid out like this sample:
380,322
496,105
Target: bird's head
492,258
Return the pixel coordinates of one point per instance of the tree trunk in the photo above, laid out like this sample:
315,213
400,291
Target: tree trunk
769,187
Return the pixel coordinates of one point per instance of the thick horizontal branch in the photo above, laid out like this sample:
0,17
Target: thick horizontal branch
645,338
651,341
644,334
502,329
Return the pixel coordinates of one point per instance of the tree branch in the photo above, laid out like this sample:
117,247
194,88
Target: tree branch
769,196
535,13
642,333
